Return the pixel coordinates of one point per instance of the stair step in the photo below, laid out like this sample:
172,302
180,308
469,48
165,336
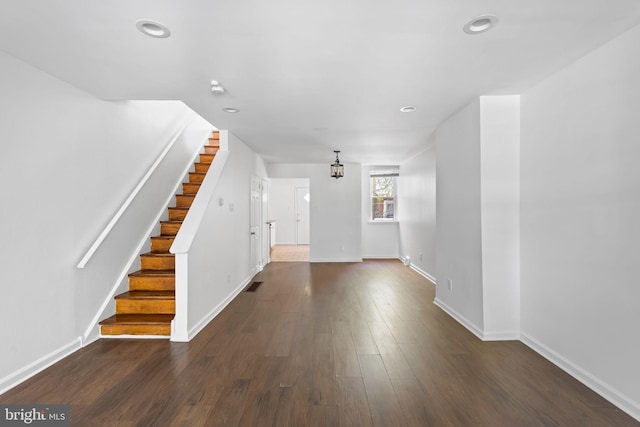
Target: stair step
211,149
184,200
196,177
161,244
206,158
149,305
137,324
177,214
146,302
190,187
201,167
157,261
170,228
152,280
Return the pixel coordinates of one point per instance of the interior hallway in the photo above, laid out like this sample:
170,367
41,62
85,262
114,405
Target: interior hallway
321,344
290,253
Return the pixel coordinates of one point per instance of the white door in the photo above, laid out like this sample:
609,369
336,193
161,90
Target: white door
254,228
264,225
302,215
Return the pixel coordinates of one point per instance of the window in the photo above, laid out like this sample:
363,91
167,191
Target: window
383,195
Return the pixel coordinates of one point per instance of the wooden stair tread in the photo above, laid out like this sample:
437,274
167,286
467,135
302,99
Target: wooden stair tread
138,319
161,295
158,254
153,273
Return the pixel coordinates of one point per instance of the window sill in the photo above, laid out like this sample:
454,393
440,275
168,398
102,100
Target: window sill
383,221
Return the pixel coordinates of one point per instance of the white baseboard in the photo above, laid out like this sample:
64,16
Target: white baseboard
336,260
460,318
92,337
603,389
501,336
423,273
216,310
39,365
393,256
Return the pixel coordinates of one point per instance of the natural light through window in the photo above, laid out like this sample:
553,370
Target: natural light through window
383,195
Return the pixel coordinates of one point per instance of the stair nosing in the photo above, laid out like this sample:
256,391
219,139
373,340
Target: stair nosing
158,254
147,295
126,321
156,273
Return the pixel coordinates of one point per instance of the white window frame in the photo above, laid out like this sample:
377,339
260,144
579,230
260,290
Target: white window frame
393,173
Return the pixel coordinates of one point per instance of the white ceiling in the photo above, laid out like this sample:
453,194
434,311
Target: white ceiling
311,76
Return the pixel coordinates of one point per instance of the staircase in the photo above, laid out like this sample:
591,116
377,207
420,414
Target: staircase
149,305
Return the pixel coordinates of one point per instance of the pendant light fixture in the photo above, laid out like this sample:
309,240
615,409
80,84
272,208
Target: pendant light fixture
337,168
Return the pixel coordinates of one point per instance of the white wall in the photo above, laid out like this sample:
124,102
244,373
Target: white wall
417,213
335,209
68,161
282,208
219,256
580,210
379,239
458,232
500,200
477,231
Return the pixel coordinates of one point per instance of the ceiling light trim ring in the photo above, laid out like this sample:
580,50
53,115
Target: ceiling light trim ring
480,24
153,28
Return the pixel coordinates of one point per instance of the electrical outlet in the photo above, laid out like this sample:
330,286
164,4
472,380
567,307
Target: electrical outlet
450,284
228,279
341,248
420,255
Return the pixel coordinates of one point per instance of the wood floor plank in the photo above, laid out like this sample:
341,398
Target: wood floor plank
344,351
354,408
285,406
263,395
390,352
323,386
362,338
192,416
353,344
229,408
280,343
383,402
418,410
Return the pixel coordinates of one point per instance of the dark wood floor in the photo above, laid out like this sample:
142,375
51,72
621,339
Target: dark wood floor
321,345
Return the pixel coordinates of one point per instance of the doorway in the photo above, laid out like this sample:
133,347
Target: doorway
290,216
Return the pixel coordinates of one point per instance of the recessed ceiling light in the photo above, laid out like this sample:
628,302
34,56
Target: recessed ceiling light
480,24
408,109
153,28
230,110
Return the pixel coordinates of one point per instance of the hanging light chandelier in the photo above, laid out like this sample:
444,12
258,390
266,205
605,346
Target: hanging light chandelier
337,168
